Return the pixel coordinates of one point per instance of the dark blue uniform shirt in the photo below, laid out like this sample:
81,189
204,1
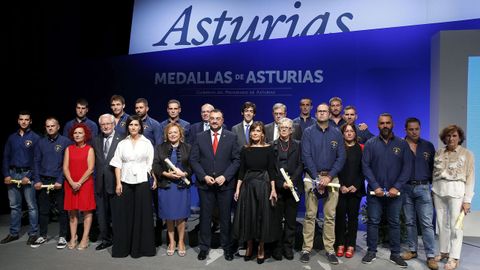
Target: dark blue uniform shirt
386,165
308,122
90,124
48,158
323,150
152,130
18,152
422,161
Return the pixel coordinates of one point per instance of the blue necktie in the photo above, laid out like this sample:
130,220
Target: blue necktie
247,133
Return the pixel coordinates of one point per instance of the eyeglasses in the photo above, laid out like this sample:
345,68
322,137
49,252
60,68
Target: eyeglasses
285,128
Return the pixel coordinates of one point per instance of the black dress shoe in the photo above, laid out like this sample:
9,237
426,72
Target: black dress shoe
202,255
103,245
260,260
228,256
9,239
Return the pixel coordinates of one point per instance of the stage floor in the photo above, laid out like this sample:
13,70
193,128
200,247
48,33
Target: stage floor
17,255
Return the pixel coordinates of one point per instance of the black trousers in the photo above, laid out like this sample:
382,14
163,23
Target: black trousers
209,199
45,202
346,220
132,221
286,208
104,215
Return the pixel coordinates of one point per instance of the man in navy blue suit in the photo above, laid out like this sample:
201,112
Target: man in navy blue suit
215,161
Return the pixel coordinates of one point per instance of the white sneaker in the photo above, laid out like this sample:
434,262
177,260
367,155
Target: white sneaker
62,243
40,240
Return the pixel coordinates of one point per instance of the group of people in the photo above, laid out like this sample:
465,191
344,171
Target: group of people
261,169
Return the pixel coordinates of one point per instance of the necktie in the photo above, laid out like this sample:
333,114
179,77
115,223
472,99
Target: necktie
275,132
247,133
106,146
215,142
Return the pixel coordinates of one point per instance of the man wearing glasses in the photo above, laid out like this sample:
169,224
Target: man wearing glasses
104,145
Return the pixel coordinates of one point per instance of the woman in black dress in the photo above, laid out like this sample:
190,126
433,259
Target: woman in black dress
255,194
352,189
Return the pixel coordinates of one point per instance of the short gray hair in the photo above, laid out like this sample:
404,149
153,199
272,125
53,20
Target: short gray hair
112,118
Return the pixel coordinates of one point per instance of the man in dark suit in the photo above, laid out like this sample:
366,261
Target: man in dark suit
215,161
202,125
242,129
104,145
279,111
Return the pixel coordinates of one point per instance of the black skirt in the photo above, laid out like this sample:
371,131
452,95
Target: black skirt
254,217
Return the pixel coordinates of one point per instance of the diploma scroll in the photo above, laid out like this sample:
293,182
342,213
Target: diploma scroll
290,184
173,167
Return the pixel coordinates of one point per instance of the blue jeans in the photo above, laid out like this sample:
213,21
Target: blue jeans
15,198
375,207
418,203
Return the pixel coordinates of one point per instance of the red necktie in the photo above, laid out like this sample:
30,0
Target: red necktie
215,142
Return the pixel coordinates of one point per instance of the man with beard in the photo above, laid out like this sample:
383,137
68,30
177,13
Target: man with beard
386,164
350,115
151,127
335,107
117,104
305,119
215,160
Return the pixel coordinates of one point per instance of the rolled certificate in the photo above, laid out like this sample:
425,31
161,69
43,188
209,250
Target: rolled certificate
49,187
459,222
290,184
16,182
384,194
173,167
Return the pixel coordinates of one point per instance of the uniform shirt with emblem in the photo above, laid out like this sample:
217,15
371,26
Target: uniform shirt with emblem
135,161
422,161
90,124
48,158
363,135
120,127
323,150
386,165
152,130
454,173
18,151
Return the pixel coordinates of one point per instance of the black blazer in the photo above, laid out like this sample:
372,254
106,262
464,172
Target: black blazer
104,173
225,162
159,166
296,134
294,165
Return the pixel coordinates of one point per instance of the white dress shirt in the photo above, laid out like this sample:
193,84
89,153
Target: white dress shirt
135,161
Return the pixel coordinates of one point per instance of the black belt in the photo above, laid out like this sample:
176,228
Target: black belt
20,169
418,182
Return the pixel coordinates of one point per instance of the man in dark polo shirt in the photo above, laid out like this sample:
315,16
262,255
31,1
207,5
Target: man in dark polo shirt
417,199
323,155
386,164
48,161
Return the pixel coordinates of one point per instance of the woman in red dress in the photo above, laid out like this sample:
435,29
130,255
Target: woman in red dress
78,167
